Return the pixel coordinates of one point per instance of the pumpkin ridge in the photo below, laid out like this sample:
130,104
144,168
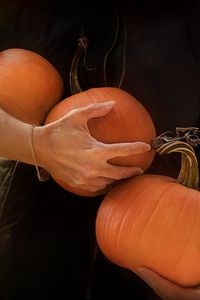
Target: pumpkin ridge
147,225
173,268
178,261
141,211
156,208
138,216
144,189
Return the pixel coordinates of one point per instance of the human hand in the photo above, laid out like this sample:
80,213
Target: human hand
166,289
66,149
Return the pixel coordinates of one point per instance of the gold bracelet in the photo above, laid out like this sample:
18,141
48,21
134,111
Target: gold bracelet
42,174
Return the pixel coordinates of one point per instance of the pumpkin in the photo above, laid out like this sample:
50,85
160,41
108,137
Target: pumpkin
154,221
128,121
29,85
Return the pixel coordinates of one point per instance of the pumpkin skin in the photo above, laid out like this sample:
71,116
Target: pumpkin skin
152,221
128,121
29,85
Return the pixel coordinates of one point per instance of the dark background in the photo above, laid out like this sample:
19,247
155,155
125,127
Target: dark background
50,253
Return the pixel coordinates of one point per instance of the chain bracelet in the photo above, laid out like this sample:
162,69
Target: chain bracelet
42,174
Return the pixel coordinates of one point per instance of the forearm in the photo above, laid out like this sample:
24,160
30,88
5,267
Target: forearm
14,138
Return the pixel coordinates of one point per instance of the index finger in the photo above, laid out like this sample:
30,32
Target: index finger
125,149
82,114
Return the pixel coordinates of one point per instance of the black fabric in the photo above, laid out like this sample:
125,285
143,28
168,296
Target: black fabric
50,252
51,247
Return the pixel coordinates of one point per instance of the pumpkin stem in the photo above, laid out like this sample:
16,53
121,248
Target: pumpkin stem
183,142
73,75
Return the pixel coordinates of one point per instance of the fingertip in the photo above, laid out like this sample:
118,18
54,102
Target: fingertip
146,147
142,271
140,147
139,172
109,103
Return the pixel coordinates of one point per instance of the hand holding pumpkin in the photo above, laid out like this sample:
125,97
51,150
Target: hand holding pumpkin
166,289
105,137
66,149
69,148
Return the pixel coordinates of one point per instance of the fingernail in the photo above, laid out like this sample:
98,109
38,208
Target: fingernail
139,171
147,147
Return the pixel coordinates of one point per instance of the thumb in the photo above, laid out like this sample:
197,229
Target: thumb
166,289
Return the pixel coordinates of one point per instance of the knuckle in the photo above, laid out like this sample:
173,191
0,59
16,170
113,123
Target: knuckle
89,173
95,105
86,109
127,150
84,175
79,179
78,182
94,188
96,152
132,149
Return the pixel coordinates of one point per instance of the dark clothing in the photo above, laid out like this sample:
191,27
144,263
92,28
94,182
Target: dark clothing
48,248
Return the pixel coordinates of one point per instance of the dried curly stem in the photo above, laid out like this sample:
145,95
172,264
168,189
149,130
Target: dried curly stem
73,76
183,142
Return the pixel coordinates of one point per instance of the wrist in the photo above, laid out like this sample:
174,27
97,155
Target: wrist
41,173
40,145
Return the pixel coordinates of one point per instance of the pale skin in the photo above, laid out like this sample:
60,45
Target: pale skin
66,149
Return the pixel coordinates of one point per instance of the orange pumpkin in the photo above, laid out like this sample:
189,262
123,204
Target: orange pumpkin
154,221
128,121
29,85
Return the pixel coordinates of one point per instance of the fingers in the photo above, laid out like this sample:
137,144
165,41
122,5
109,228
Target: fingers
166,289
93,188
100,183
91,181
80,116
91,184
120,172
83,114
125,149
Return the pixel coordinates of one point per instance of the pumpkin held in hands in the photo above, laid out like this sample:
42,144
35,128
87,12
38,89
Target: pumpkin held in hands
153,221
128,121
29,85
